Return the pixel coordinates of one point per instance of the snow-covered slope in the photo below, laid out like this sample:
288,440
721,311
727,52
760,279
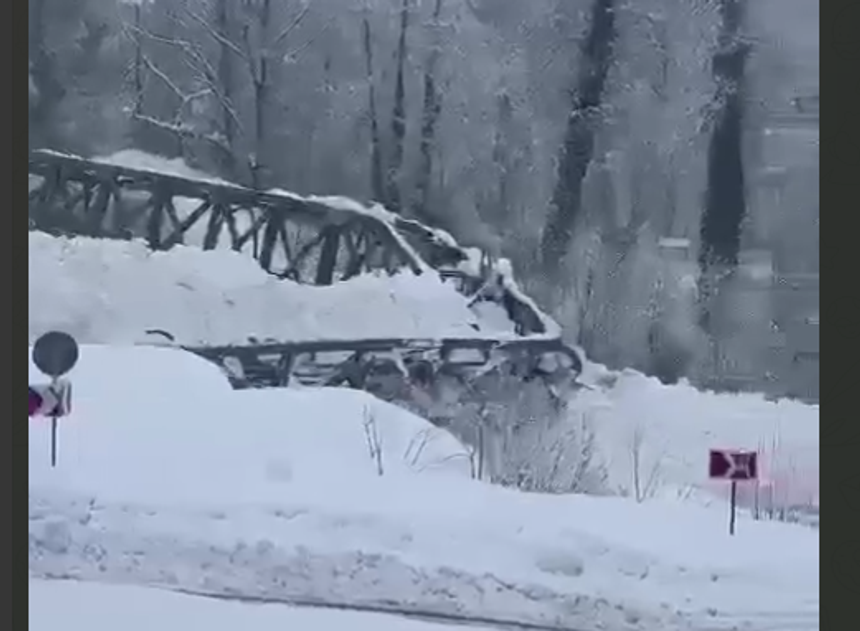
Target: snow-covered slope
179,482
113,291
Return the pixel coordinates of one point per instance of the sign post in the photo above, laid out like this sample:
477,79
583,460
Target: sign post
733,507
734,466
54,417
55,354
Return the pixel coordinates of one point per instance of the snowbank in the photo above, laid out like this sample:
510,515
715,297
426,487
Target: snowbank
166,426
274,495
75,605
675,426
111,292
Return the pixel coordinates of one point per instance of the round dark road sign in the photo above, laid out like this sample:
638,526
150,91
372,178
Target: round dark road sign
55,353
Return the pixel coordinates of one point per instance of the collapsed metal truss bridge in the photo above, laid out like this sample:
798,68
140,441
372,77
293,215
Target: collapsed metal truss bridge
318,241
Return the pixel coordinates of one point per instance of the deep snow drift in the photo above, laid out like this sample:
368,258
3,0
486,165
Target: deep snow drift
112,292
167,478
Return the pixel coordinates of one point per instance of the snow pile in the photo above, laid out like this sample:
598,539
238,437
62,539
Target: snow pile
113,291
668,430
275,495
177,410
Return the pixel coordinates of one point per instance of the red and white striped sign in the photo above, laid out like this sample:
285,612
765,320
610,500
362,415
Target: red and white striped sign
50,400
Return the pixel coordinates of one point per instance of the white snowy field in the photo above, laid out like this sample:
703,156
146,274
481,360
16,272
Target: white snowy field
666,432
168,478
101,607
112,292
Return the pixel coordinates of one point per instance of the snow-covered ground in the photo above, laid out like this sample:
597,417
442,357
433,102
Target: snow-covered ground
668,430
76,606
168,478
137,406
112,292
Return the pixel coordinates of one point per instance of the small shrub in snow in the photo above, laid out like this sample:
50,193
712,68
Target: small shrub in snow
553,456
646,481
373,439
520,435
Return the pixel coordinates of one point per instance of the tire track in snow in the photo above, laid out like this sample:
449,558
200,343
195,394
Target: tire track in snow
464,621
74,538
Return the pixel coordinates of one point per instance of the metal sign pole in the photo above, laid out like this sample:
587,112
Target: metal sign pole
54,418
56,353
734,508
53,440
54,427
733,466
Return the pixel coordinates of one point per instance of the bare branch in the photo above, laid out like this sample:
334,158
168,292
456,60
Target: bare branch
218,37
191,51
164,78
210,78
252,67
155,37
291,26
182,130
293,54
195,59
200,94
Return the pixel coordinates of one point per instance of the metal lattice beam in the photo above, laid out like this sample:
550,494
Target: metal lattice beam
305,240
77,196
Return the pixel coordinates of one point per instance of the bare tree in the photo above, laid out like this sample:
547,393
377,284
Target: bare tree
242,33
260,49
182,124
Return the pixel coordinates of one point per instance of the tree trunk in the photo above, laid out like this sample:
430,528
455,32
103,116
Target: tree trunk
725,199
225,79
578,149
725,203
259,164
398,118
502,158
432,109
376,179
